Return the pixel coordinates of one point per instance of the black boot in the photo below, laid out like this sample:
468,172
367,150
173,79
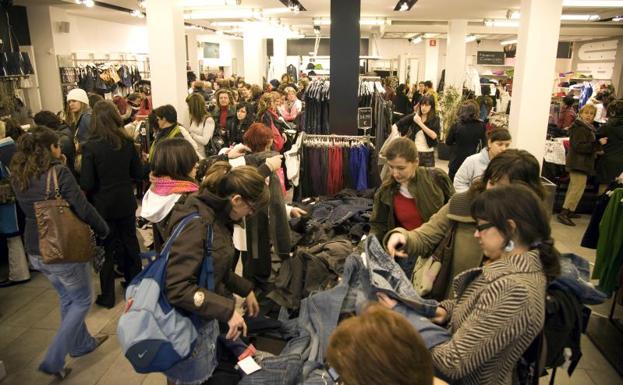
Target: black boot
563,218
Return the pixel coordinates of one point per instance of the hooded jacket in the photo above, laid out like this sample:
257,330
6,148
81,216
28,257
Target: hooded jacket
187,253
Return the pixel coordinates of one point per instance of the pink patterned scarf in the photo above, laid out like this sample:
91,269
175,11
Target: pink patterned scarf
167,186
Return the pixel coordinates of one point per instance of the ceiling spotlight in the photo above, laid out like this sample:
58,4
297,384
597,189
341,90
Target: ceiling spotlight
508,42
142,4
416,40
137,13
317,29
89,3
470,38
292,4
404,5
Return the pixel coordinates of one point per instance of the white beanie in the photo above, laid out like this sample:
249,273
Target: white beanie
78,94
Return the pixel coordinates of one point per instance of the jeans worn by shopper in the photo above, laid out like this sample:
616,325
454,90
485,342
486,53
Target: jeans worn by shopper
72,282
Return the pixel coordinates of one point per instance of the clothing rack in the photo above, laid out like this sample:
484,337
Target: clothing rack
339,137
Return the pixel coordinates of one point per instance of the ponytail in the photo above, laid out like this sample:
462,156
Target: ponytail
33,156
550,258
224,181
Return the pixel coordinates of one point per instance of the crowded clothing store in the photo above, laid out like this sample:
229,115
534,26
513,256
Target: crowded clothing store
288,192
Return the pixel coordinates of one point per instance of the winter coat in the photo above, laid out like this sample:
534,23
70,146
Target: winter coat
107,175
70,191
431,188
497,312
423,241
610,164
82,127
68,148
472,168
465,137
187,253
583,148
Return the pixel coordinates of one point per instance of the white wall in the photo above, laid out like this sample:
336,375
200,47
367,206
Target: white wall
229,49
98,36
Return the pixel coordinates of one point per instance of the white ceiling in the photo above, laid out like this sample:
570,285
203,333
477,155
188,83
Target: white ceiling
425,16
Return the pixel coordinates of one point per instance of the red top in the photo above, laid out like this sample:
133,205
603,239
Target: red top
406,212
223,117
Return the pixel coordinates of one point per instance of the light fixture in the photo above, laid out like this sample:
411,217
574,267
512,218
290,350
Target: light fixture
579,17
89,3
404,5
501,23
513,14
316,30
293,5
142,4
430,35
211,15
416,40
470,38
617,18
372,21
205,3
137,13
508,42
593,3
322,21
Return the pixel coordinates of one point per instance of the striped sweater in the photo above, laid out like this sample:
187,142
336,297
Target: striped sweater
497,311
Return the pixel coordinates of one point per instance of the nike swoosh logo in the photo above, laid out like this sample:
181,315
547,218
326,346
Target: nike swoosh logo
141,355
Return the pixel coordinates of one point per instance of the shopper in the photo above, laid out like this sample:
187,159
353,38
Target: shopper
567,113
420,90
173,170
401,101
166,126
499,308
110,165
467,135
426,131
226,197
78,115
51,121
9,222
392,350
610,164
37,153
454,218
267,115
292,107
485,102
498,141
583,149
201,127
224,114
410,194
429,90
244,119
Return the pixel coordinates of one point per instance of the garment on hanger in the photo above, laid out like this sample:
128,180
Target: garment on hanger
316,97
609,256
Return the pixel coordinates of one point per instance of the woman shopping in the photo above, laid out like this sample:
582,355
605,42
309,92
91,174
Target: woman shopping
201,127
110,166
423,127
225,197
38,153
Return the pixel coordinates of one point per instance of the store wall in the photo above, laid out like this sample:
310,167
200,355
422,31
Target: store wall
230,53
603,58
98,36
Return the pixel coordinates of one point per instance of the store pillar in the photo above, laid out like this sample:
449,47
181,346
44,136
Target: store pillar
253,47
167,55
193,52
280,51
431,67
345,35
456,51
535,65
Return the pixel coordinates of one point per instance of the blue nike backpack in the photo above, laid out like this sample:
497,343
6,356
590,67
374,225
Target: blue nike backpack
153,334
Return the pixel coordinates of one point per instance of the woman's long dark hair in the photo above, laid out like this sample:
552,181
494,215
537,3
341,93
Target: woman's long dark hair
107,124
33,156
429,101
520,204
173,158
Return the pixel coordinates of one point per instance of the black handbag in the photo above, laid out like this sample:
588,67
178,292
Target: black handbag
14,62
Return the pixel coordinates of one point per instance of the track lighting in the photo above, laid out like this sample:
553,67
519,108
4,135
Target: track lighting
404,5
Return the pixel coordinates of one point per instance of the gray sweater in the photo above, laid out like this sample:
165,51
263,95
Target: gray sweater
472,168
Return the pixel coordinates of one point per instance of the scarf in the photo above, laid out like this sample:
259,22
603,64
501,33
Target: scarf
167,186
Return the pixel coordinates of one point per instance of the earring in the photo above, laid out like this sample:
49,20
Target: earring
509,246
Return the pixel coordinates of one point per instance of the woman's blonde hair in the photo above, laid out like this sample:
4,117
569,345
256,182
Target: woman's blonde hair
589,108
196,107
72,118
224,181
266,100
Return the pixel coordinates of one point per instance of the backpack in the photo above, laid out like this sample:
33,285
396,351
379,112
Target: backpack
153,334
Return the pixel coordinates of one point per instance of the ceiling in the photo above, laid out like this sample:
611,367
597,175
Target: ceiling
425,16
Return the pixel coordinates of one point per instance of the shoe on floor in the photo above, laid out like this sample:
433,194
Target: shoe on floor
99,339
103,303
60,375
573,215
8,282
563,218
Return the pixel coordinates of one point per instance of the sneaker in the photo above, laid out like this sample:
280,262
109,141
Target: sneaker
60,375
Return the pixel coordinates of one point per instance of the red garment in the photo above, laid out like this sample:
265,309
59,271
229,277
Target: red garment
406,212
222,119
334,176
567,117
278,141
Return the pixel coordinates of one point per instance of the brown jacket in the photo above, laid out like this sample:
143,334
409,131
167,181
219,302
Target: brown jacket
583,148
187,254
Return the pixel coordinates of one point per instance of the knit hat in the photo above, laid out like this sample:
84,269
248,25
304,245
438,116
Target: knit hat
79,95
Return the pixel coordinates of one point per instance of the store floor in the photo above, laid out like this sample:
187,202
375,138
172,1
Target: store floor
29,317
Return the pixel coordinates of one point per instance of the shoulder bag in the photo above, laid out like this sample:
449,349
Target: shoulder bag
430,274
63,237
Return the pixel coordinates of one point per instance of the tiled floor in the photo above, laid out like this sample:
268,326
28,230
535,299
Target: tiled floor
29,316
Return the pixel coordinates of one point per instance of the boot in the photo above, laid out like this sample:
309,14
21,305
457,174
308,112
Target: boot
573,215
563,218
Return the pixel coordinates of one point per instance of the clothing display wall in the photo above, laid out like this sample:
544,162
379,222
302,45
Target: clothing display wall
332,163
316,116
371,95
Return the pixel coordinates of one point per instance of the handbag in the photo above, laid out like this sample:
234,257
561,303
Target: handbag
215,143
63,237
431,274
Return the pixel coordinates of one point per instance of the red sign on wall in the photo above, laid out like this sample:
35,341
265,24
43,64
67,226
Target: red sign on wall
432,43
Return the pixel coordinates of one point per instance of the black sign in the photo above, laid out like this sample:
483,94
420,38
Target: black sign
490,58
364,117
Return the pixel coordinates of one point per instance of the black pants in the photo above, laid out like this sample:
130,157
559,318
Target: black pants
122,239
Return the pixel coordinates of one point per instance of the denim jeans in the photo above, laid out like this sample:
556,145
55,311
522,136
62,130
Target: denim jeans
72,281
574,277
281,370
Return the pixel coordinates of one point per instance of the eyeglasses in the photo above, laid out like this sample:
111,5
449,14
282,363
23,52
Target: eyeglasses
252,207
482,227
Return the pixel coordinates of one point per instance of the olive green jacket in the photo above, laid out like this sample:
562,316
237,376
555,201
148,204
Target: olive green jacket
431,188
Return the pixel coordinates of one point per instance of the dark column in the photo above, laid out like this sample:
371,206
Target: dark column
345,35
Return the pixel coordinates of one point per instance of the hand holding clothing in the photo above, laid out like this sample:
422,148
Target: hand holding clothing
237,327
386,301
253,307
395,245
